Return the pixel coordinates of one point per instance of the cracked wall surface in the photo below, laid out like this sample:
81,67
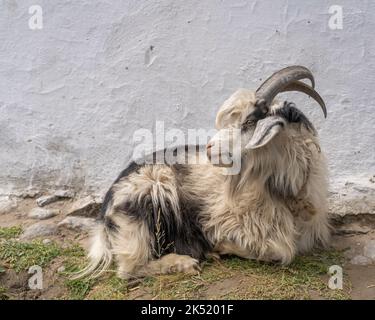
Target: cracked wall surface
73,93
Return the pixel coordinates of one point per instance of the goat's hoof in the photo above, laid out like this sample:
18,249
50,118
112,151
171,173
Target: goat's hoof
213,256
185,264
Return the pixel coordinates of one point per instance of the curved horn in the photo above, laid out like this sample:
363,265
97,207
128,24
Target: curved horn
280,80
302,87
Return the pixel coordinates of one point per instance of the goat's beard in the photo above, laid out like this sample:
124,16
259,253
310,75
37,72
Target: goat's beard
232,187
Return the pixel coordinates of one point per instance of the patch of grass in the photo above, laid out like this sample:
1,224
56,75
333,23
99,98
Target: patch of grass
229,278
78,288
305,278
74,261
111,288
235,278
74,252
108,287
20,255
10,232
3,294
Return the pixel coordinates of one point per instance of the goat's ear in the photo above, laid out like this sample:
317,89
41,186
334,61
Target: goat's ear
265,130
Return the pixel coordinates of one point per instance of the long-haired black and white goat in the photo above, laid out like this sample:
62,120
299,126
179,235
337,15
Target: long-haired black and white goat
161,218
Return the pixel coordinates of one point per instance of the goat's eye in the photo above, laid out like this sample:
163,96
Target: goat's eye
249,122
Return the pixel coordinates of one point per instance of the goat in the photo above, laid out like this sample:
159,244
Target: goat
162,218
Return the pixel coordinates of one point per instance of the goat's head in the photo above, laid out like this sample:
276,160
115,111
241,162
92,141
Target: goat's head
251,120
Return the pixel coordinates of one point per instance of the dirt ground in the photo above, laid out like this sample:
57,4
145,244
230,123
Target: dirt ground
62,253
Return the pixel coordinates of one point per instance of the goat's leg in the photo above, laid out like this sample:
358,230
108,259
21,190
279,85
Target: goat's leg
170,263
230,248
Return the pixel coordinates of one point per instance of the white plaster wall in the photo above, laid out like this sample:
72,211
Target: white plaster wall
73,93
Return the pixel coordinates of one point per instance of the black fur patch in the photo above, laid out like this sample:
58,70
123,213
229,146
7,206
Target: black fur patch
107,202
131,168
189,238
291,114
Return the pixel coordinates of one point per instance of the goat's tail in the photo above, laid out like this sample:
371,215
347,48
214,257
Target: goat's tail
100,254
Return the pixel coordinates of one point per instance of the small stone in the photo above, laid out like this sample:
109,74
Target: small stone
29,194
45,200
84,224
42,214
360,260
46,241
352,228
86,207
39,229
369,249
7,204
64,194
61,269
58,195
